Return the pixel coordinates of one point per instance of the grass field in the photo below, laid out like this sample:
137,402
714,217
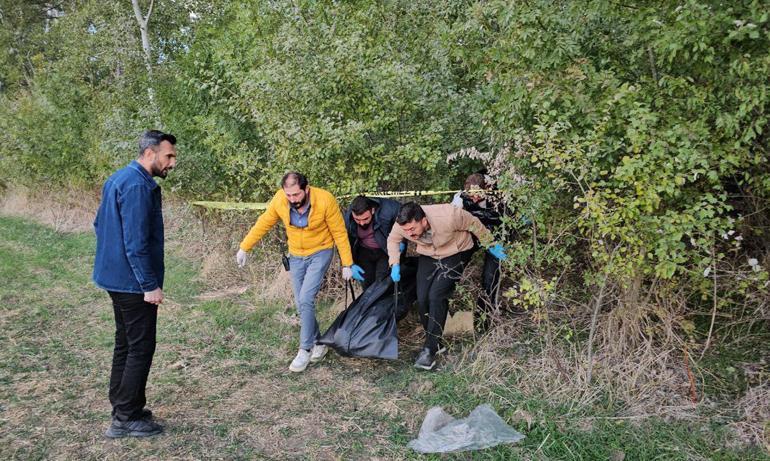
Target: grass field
221,386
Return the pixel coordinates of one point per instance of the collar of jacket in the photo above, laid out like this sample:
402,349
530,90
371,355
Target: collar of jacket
470,205
138,167
376,215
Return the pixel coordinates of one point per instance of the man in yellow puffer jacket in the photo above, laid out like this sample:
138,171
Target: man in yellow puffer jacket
314,224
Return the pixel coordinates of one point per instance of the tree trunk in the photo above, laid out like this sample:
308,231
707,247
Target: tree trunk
143,21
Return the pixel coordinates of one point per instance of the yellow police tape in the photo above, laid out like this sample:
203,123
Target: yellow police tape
403,193
259,206
237,206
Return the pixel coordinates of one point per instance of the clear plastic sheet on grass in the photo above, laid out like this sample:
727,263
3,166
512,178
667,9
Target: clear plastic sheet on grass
442,433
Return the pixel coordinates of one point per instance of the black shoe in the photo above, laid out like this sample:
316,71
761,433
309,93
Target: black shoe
134,428
426,359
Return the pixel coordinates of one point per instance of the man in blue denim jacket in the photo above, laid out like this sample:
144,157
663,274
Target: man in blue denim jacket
129,265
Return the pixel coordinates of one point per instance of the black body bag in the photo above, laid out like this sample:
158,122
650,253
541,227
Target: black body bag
367,327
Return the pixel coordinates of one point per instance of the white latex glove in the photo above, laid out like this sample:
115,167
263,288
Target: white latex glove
347,273
240,258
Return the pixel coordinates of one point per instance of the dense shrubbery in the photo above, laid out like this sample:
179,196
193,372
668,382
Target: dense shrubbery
634,137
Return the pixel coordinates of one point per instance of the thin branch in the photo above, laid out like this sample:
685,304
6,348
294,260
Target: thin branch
149,12
624,5
653,68
690,377
594,321
537,18
595,318
137,12
716,303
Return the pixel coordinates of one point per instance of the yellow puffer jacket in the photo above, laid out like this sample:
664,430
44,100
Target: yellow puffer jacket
325,226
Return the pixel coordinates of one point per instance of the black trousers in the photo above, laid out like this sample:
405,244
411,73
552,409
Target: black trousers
436,281
490,279
373,262
135,325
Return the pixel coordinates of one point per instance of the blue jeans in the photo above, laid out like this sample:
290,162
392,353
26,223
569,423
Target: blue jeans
307,273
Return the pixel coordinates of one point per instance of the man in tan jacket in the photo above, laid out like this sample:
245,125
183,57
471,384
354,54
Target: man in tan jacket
442,234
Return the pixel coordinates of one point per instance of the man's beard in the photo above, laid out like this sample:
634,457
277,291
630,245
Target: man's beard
300,204
365,226
158,172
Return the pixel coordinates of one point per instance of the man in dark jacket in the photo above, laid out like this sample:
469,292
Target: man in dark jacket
369,221
129,266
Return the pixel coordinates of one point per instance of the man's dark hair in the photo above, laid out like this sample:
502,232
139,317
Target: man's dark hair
475,181
152,138
409,212
291,178
362,204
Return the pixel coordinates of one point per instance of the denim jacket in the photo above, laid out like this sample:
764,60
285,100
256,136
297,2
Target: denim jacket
129,233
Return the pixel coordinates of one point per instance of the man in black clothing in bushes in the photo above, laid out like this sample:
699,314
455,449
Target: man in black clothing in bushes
476,200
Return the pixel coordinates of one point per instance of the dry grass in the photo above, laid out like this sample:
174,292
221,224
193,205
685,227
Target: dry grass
65,211
648,380
753,427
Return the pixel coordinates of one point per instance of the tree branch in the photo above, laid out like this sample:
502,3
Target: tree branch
595,318
653,68
149,12
716,301
138,13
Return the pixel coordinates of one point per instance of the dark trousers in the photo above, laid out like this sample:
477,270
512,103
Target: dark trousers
490,279
135,323
373,262
436,281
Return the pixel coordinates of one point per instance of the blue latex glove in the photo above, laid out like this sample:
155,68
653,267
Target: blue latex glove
402,247
395,272
498,252
358,272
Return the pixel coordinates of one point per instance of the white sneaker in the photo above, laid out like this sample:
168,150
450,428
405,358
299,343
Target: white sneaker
317,353
300,361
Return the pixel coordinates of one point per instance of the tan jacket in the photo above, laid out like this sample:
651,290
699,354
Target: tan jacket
452,228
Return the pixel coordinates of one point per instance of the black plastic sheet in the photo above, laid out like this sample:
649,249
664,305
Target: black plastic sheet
367,328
